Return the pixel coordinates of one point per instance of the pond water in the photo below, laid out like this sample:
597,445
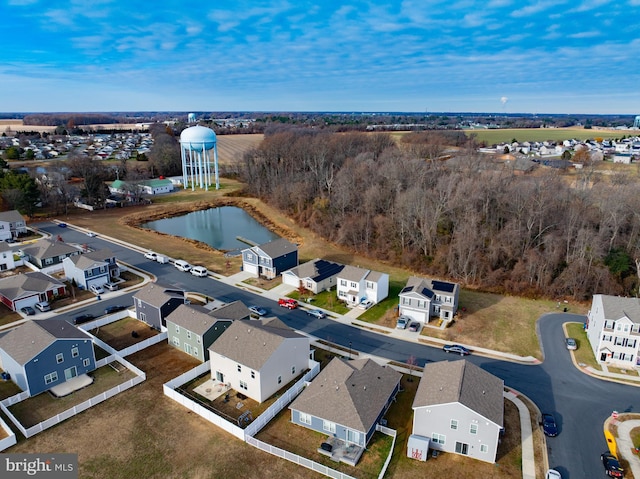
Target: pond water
217,227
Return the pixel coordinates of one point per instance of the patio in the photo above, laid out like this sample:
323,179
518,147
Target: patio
339,451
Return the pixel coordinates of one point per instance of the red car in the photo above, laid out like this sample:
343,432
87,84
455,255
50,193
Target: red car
288,303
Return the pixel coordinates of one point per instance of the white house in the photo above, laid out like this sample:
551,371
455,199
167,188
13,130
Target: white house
458,408
12,225
613,329
316,275
356,285
422,298
7,260
93,268
258,358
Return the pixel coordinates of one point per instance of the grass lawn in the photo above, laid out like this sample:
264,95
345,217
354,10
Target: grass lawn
326,299
635,437
8,389
118,334
505,135
36,409
584,353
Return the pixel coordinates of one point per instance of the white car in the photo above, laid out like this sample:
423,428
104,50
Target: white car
553,474
199,271
91,234
151,255
96,289
366,303
182,265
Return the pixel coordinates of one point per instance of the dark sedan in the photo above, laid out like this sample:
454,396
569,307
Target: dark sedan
83,318
549,425
28,310
457,349
114,309
611,465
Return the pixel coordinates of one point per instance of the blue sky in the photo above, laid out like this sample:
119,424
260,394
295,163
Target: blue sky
513,56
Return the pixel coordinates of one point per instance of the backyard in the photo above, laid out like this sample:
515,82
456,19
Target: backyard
124,333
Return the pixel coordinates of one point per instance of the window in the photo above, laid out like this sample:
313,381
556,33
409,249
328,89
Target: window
343,282
177,328
239,368
59,358
198,339
329,426
253,374
484,448
473,429
293,369
249,257
354,285
188,334
370,285
454,424
86,362
48,261
438,438
304,418
279,379
51,377
175,341
462,448
74,352
243,385
195,351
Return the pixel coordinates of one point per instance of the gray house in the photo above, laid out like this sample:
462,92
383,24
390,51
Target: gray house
422,298
44,353
458,408
48,253
270,259
234,311
347,400
155,302
12,225
317,275
95,267
193,329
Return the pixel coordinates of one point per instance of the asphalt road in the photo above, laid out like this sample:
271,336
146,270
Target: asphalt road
580,403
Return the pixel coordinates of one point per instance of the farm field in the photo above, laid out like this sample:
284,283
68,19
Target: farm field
491,137
232,147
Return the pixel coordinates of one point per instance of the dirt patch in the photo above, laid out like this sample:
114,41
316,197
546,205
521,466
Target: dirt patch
124,333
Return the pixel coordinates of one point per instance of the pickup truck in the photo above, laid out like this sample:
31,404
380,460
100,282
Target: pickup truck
288,303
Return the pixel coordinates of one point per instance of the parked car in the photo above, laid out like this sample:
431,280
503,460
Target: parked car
414,326
456,348
571,344
83,318
96,289
199,271
62,225
151,255
403,322
549,426
28,310
182,265
316,313
552,474
43,306
611,465
288,303
91,234
366,303
114,309
110,286
258,310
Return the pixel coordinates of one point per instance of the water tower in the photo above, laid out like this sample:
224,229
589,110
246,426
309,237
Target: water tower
197,144
636,122
191,118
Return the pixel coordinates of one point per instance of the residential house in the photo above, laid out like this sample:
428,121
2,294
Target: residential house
258,358
96,267
316,276
270,259
155,302
356,285
234,311
347,400
7,260
41,354
193,329
29,288
458,408
12,225
146,187
422,298
46,253
613,330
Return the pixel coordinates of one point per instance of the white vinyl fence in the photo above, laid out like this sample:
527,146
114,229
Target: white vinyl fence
8,441
392,433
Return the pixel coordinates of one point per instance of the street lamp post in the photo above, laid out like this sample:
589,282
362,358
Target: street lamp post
349,350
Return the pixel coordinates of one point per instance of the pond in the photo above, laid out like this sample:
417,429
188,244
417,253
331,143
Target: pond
217,227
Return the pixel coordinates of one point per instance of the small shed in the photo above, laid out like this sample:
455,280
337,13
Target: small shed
418,447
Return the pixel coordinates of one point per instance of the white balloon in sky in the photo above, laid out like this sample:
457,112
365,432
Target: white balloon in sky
504,100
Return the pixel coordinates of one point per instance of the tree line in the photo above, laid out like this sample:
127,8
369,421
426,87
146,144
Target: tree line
457,217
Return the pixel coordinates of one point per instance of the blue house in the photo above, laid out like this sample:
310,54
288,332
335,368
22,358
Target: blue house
96,267
270,259
346,401
44,353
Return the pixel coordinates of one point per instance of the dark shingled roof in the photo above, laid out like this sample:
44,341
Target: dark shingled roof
448,382
317,269
349,393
